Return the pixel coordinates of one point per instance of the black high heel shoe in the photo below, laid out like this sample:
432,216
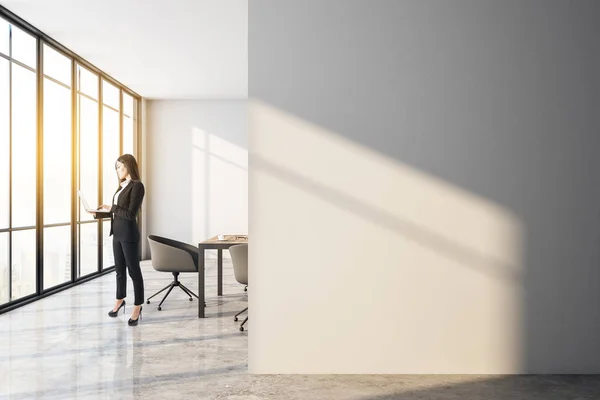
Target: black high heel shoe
113,314
133,322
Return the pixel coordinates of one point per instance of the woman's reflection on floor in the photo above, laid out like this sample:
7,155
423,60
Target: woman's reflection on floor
129,359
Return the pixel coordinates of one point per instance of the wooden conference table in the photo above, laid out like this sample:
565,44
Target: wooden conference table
214,244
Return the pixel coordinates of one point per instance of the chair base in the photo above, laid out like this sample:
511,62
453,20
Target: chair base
242,324
170,287
236,315
246,320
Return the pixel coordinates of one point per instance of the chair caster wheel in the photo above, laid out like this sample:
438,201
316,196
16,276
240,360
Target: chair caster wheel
159,308
147,301
241,329
191,299
246,289
235,319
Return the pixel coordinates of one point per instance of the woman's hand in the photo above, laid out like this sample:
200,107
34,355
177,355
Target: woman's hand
105,207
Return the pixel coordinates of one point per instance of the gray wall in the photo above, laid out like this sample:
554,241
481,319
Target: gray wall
497,98
196,167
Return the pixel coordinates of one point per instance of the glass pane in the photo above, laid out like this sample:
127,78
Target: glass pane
57,153
4,143
57,66
88,249
108,256
24,139
4,36
4,272
57,256
23,263
88,82
110,148
24,47
110,95
88,154
127,105
128,135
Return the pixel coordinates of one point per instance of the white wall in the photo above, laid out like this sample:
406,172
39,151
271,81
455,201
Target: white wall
196,169
424,186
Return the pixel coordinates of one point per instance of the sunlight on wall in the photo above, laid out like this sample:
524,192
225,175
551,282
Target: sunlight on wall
219,186
420,275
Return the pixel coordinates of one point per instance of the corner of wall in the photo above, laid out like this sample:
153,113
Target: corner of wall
145,175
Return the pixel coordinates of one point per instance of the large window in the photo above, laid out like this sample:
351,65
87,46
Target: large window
129,124
63,123
110,140
58,143
23,138
23,266
4,167
4,272
89,176
4,142
110,152
23,163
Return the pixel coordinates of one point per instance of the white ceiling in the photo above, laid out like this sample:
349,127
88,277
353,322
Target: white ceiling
178,49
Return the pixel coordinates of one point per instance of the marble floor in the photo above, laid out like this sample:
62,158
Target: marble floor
66,347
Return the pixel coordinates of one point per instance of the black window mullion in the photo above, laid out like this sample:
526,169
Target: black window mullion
22,65
57,81
83,94
74,173
21,228
120,121
100,175
57,225
40,168
9,163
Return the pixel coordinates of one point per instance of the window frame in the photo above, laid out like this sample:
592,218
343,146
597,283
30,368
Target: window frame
76,278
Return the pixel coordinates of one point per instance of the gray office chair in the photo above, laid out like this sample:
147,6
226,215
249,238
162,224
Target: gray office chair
175,257
239,258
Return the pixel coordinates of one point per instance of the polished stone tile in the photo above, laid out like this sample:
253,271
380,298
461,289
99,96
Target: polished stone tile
66,347
67,344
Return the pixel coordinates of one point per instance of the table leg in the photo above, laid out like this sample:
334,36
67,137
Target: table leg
201,280
220,271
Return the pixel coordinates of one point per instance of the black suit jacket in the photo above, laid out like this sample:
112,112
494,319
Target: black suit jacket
123,215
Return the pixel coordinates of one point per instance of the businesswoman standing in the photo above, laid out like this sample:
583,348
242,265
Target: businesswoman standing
126,235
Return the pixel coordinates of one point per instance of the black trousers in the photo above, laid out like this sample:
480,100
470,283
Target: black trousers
127,254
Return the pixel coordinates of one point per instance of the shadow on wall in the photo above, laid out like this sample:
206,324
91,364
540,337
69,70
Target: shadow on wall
471,264
496,100
440,260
